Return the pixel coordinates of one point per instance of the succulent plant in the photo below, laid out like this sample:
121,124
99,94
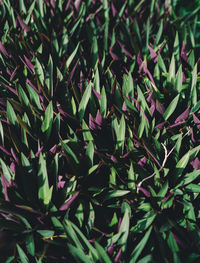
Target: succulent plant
99,131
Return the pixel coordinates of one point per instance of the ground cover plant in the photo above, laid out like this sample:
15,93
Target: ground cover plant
99,131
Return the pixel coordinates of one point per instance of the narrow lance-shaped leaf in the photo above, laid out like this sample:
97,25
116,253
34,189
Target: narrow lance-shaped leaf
6,171
49,80
22,255
44,192
71,57
34,96
121,135
48,118
11,114
84,101
171,108
102,253
138,249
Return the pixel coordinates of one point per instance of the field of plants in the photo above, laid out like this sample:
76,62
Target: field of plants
99,131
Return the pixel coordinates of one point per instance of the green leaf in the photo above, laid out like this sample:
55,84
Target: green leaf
179,79
84,101
121,135
1,133
30,245
39,71
171,108
194,188
48,118
140,246
116,193
23,96
172,243
49,78
69,151
171,75
41,8
79,254
161,64
34,96
103,102
82,239
22,255
189,177
22,6
124,229
159,34
163,190
11,114
103,256
46,233
44,192
6,171
183,161
87,136
90,152
71,57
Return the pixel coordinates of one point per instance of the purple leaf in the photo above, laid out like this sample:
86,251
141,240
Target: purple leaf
111,249
14,155
5,151
195,119
28,63
124,108
142,161
154,158
13,74
139,59
97,94
98,119
184,52
113,55
118,256
175,125
114,11
3,49
183,115
160,125
12,167
11,89
153,54
192,135
61,183
159,107
5,184
77,4
66,205
195,163
23,25
125,50
144,191
53,149
53,3
179,241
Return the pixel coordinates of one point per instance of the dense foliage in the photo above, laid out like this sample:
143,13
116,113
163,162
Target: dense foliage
99,131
